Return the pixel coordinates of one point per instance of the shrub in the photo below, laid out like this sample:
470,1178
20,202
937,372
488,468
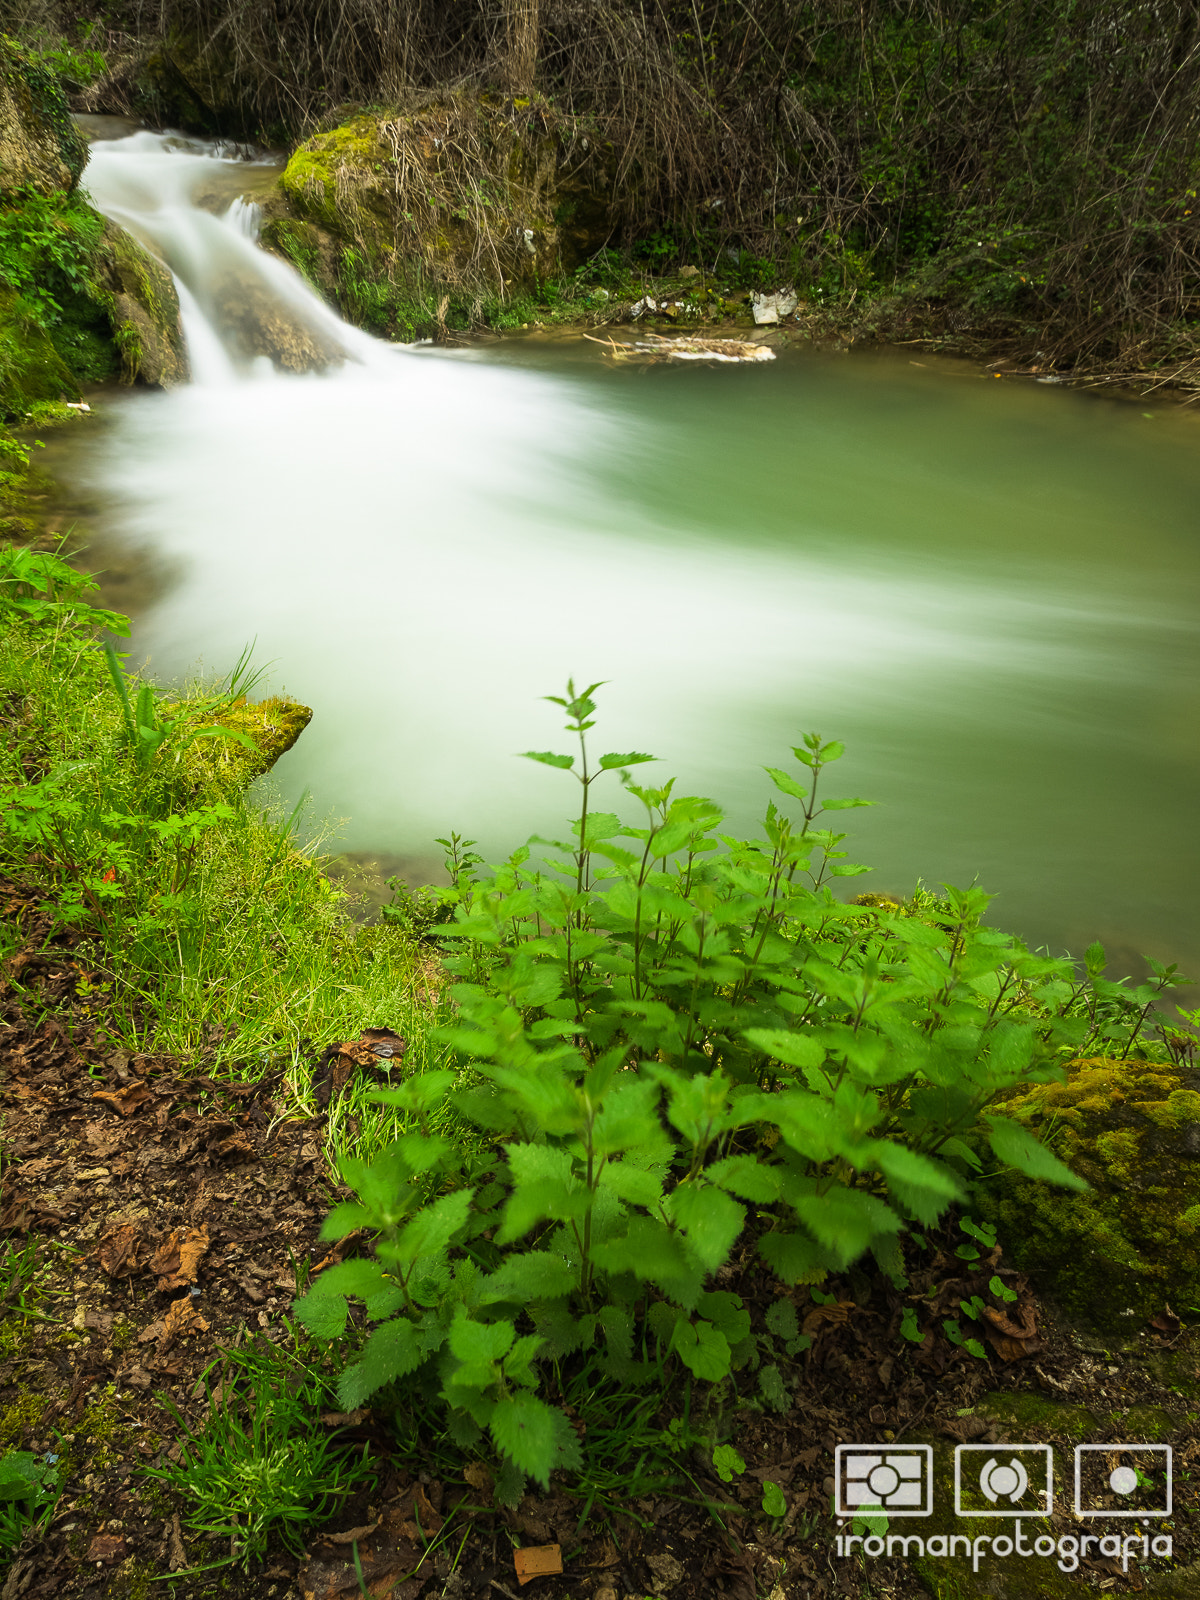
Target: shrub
668,1040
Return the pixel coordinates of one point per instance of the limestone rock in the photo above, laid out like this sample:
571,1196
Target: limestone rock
40,147
144,309
1114,1257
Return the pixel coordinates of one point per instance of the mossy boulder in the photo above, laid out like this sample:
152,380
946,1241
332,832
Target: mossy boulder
453,193
31,369
1113,1257
40,147
144,310
228,765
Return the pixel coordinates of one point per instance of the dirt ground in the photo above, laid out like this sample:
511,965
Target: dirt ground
172,1210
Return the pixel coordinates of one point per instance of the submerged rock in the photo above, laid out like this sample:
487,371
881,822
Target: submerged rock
1112,1258
144,309
255,323
40,147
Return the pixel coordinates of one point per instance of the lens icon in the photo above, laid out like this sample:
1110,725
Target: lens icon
1124,1480
1009,1482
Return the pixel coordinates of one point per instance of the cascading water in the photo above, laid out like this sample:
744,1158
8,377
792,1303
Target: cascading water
424,542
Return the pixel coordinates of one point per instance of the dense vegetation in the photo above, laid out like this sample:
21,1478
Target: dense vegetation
654,1045
1028,169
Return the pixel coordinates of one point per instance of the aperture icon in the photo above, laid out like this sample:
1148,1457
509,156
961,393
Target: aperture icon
898,1483
1010,1480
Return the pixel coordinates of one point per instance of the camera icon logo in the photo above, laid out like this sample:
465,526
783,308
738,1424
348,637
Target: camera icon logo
870,1477
1012,1480
1123,1480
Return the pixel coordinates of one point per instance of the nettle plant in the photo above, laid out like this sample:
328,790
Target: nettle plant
674,1044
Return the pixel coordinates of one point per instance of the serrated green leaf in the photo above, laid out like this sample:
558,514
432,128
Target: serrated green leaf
394,1349
476,1342
794,1049
709,1218
844,805
536,1437
548,758
324,1315
430,1232
781,1319
530,1275
634,758
785,783
747,1176
1017,1147
793,1257
771,1387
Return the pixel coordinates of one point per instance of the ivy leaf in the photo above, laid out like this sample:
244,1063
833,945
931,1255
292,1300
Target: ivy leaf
727,1462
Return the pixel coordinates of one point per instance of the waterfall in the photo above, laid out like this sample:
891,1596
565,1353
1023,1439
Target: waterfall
245,313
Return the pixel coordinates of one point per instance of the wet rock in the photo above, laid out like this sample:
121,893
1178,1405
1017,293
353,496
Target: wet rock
1115,1257
256,324
40,147
144,310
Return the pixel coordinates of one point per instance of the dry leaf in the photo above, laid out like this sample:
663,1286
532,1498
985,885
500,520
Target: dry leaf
182,1318
126,1100
833,1314
537,1561
178,1257
118,1250
106,1547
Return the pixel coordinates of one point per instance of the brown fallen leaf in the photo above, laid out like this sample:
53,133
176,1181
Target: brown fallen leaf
481,1480
1166,1323
181,1318
127,1100
119,1248
537,1561
178,1256
833,1314
106,1547
1015,1336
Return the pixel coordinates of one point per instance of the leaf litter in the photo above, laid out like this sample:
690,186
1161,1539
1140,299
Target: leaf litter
180,1205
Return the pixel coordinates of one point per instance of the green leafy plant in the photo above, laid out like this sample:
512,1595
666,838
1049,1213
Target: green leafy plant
774,1501
39,587
261,1467
667,1039
29,1491
151,730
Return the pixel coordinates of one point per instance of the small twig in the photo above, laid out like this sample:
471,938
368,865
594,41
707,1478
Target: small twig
496,1584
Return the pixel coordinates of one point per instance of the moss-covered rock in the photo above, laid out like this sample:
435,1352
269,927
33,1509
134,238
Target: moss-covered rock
456,194
273,726
1113,1257
144,311
40,147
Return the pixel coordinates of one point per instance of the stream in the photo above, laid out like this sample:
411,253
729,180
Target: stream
988,589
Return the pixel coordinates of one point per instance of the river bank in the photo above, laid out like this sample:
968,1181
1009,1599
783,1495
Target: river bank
196,1039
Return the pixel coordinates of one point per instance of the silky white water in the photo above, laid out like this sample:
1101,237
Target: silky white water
990,593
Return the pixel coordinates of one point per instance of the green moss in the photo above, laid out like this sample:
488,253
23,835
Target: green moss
1150,1423
1111,1258
274,725
21,1418
41,149
1027,1413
